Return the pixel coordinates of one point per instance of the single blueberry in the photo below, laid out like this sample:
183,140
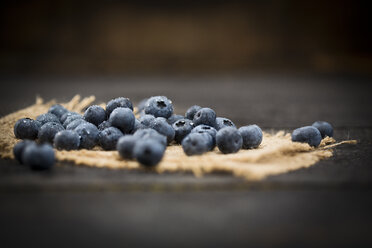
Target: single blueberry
71,118
181,129
38,157
149,133
205,116
146,120
206,129
120,102
88,135
148,152
48,131
66,115
126,145
196,143
252,136
26,128
48,117
161,126
174,118
74,124
159,106
122,118
229,140
67,140
104,125
324,128
223,122
141,105
58,110
308,134
190,113
95,114
137,126
19,148
109,137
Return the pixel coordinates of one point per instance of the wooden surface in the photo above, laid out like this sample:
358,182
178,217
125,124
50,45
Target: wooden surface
328,204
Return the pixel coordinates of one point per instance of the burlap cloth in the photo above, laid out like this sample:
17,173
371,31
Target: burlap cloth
277,154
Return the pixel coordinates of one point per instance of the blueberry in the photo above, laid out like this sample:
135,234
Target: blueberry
19,148
159,106
141,105
48,131
148,152
190,113
88,135
74,124
48,117
206,129
67,140
196,143
122,118
223,122
126,145
66,115
146,120
95,114
182,128
150,134
324,128
38,157
229,140
104,125
174,118
120,102
71,118
161,125
137,126
57,110
308,134
252,136
109,137
26,128
205,116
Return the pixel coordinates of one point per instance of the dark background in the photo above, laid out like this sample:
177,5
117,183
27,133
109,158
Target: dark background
279,64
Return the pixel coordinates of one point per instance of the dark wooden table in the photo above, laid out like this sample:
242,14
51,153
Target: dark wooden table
328,204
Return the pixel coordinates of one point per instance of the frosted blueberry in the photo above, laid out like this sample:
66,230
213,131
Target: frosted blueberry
26,128
252,136
159,106
308,134
229,140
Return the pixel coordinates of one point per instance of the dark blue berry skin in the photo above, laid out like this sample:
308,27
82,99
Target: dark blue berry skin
161,126
182,128
205,116
252,136
122,118
26,128
75,124
308,134
57,110
104,125
109,137
88,135
148,152
70,119
149,133
146,120
67,140
223,122
206,129
190,113
66,115
48,131
324,128
38,157
229,140
141,105
95,114
19,148
137,126
174,118
196,143
120,102
48,117
125,146
159,106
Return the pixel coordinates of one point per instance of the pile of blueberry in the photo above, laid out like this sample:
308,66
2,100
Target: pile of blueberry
144,139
